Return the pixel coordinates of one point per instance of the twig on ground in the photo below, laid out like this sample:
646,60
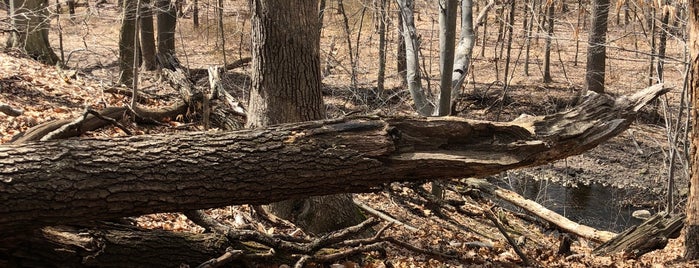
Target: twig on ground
262,214
227,257
383,216
8,110
491,216
207,222
302,261
110,120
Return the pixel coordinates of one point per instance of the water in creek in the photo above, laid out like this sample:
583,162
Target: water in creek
595,205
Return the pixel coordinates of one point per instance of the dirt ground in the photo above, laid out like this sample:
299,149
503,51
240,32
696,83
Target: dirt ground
637,159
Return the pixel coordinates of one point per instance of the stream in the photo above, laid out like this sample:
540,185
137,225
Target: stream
602,207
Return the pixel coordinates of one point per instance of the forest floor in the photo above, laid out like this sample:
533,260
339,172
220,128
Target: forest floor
635,161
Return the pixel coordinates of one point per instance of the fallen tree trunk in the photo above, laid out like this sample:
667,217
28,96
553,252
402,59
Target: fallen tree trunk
69,181
652,234
110,246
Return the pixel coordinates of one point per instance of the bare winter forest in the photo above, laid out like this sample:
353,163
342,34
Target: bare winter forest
159,137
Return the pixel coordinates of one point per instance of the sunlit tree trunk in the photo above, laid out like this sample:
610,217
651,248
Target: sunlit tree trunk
286,87
412,50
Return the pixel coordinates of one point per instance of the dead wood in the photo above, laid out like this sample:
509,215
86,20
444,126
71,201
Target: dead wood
491,216
651,235
92,122
540,211
93,179
8,110
108,245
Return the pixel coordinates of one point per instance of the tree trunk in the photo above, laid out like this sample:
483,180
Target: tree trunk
147,38
662,40
111,246
286,87
547,48
31,22
412,50
167,21
447,36
126,42
596,47
464,50
692,223
401,67
381,74
72,181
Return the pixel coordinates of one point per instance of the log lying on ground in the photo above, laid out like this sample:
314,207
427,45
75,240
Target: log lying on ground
110,246
69,181
542,212
650,235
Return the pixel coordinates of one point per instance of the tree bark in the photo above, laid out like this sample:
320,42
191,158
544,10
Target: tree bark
30,20
147,36
412,63
652,234
110,246
447,36
126,42
167,21
549,36
71,181
286,87
382,18
596,47
692,223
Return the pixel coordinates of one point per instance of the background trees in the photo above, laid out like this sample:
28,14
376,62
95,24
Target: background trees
29,20
353,84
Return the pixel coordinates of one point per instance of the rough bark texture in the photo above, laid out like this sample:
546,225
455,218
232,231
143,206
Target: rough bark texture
286,83
126,42
286,87
638,240
692,223
596,47
167,21
30,19
110,246
147,36
70,181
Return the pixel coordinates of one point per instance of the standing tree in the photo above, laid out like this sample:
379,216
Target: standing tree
30,21
126,42
547,48
412,50
167,20
692,223
147,40
596,49
447,35
286,87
